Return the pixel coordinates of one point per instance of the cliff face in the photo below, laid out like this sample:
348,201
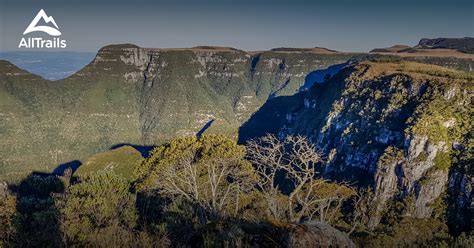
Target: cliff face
398,126
465,45
140,96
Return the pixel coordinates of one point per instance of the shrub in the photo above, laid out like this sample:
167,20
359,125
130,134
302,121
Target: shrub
7,212
99,211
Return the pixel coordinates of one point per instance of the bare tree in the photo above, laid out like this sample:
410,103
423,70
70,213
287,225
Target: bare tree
216,181
363,207
324,200
294,157
267,155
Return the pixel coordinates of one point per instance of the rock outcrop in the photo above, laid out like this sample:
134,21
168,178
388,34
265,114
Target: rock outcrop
465,45
397,126
316,234
273,234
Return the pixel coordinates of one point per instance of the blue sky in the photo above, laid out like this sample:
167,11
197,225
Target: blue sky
250,25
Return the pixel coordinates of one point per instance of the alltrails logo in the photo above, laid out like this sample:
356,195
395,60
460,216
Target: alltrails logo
38,42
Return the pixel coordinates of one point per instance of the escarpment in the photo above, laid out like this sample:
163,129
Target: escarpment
140,96
400,127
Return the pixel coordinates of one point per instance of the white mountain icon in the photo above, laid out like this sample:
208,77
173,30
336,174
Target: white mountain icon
47,29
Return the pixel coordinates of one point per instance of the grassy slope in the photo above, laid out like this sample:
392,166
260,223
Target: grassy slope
122,160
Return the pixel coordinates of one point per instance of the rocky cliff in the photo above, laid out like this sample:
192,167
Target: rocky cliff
129,94
465,45
401,127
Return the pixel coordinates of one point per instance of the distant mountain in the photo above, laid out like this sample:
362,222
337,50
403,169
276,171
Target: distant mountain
443,52
320,50
217,48
49,65
465,45
392,49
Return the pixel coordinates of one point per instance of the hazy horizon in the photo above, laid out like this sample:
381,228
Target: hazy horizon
248,25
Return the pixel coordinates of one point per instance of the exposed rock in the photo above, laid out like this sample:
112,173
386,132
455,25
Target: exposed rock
392,49
385,187
368,111
427,191
415,167
271,234
460,190
465,44
316,234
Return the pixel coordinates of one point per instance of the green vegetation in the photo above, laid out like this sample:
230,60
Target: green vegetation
442,160
121,160
391,155
410,232
210,172
398,126
189,191
35,220
100,211
139,96
7,212
399,229
207,192
423,156
369,119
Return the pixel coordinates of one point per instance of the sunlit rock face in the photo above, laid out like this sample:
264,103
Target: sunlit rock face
399,127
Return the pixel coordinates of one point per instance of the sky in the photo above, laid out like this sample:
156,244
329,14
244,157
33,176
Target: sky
344,25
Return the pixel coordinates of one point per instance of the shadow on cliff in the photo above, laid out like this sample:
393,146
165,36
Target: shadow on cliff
309,112
204,128
73,165
459,199
144,150
270,118
296,114
277,113
322,75
36,222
